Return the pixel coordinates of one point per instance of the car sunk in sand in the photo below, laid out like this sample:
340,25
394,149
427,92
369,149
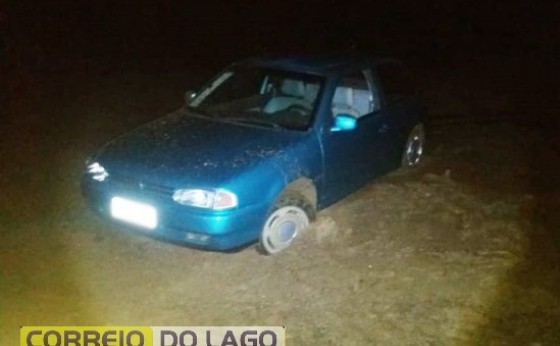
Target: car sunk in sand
257,151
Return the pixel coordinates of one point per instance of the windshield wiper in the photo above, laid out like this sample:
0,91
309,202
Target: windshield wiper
198,111
254,121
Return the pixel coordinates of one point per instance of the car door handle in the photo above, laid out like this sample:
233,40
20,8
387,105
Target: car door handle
383,129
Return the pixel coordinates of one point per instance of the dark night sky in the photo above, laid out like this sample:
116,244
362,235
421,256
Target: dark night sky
65,32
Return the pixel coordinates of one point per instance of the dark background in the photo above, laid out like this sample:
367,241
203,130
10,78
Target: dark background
57,35
510,45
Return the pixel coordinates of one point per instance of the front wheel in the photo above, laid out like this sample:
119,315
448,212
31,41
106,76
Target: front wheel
414,147
289,216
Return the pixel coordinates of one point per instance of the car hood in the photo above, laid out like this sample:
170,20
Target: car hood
182,150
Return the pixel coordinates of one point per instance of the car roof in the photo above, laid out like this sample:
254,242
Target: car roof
326,64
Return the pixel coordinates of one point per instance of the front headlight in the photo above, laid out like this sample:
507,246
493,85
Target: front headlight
209,199
97,172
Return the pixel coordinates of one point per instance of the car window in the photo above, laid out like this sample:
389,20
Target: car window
394,81
261,97
230,86
353,95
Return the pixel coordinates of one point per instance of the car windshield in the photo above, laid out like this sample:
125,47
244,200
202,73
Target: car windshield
261,97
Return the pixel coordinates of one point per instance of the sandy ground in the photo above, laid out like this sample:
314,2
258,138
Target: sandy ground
463,251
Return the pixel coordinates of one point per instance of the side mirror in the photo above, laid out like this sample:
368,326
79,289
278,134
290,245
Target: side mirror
344,122
189,96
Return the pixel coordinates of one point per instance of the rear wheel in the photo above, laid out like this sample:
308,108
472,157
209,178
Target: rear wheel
414,147
289,216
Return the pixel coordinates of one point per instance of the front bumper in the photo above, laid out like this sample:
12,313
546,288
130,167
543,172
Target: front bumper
212,230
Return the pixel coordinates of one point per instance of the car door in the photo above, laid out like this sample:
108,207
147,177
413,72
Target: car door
353,157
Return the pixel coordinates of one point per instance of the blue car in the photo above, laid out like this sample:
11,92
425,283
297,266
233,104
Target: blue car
257,151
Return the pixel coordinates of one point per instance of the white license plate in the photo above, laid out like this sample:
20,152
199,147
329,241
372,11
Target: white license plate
137,213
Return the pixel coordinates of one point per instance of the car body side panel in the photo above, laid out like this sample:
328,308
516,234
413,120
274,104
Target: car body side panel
269,179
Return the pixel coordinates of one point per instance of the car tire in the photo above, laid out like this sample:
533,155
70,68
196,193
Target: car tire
290,215
414,147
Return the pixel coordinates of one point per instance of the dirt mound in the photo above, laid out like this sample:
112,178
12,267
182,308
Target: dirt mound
430,213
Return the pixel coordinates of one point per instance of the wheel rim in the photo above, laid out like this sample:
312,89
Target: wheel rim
282,227
414,147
